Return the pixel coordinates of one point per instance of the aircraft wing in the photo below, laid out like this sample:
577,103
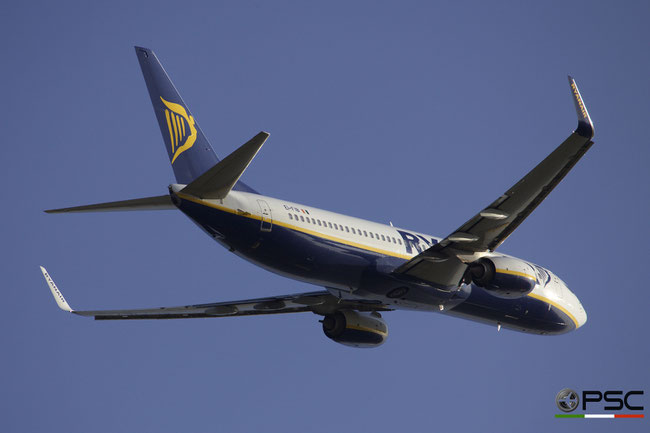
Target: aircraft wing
317,302
444,262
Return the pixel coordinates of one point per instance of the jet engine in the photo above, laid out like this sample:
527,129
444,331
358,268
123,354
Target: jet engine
504,277
355,329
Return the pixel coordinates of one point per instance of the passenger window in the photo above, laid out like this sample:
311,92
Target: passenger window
394,241
319,222
302,218
399,241
336,227
347,229
329,224
371,236
290,216
353,232
365,233
383,238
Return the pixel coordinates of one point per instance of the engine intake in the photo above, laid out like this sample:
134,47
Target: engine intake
504,277
355,329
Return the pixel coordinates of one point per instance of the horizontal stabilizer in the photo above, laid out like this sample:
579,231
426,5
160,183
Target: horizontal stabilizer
161,202
217,182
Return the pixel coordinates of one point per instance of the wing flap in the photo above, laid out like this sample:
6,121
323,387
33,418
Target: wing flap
444,271
520,200
318,302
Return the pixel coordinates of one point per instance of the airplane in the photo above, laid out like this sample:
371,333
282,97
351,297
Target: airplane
366,268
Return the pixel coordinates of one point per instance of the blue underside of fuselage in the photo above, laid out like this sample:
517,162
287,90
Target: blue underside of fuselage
367,274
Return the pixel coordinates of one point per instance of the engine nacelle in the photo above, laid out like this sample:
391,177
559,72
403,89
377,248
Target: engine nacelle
355,329
504,277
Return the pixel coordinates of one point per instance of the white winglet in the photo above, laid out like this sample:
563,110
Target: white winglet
58,296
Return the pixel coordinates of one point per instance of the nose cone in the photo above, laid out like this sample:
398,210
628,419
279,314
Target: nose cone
575,308
571,311
581,315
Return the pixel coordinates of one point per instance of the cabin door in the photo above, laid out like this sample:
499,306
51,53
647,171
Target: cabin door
267,218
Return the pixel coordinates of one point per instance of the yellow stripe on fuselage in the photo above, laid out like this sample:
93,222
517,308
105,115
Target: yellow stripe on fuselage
519,274
353,244
555,304
296,228
363,328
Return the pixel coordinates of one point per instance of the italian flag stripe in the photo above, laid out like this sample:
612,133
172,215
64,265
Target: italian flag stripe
600,415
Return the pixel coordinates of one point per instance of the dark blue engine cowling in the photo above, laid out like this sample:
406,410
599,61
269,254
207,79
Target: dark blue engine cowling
504,277
355,329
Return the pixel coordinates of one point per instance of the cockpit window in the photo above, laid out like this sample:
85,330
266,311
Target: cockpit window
543,277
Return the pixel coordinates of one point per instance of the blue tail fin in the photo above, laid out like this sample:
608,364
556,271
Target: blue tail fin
189,151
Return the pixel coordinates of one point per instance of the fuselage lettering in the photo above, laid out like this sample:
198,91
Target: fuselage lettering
414,243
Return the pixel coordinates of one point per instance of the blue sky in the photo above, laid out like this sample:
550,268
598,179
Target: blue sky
419,113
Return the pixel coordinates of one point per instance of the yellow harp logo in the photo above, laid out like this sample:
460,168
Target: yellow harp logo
182,132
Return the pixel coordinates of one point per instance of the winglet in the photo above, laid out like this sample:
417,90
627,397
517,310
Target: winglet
585,125
58,296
